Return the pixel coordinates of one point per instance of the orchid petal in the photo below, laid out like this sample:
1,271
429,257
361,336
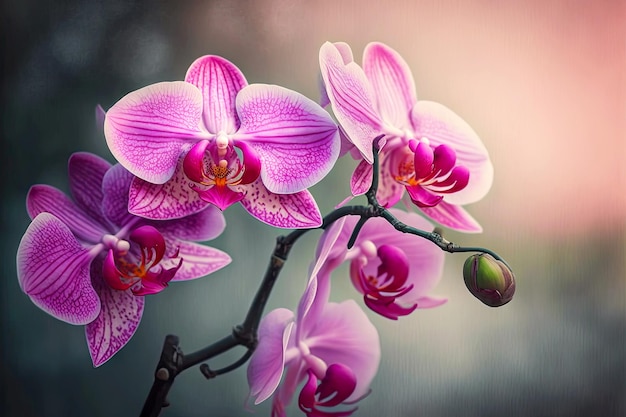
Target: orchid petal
351,97
193,162
47,199
388,307
361,179
53,269
171,200
442,126
389,191
206,224
421,197
86,172
345,335
198,260
289,211
423,160
115,186
220,81
148,129
392,81
339,380
268,360
150,239
296,140
452,216
117,322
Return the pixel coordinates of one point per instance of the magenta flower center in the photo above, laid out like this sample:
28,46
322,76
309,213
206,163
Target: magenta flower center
136,264
428,172
381,276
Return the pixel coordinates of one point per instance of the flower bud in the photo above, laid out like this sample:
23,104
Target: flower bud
489,280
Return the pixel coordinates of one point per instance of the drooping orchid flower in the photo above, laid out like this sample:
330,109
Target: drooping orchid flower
333,347
394,271
87,261
215,139
427,149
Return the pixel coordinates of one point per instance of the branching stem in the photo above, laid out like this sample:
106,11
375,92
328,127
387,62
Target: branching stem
172,361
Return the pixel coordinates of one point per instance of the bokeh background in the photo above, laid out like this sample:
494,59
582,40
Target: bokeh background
542,82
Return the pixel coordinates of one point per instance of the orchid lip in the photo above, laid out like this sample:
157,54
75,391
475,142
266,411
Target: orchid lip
127,267
217,170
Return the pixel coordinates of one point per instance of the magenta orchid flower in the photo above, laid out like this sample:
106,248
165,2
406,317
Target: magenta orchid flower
395,272
333,348
214,139
426,149
88,261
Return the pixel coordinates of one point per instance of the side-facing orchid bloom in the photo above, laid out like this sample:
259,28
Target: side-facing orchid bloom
88,261
394,271
215,139
333,347
426,150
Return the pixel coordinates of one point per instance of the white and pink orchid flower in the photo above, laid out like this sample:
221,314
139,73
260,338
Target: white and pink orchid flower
214,139
395,272
427,149
332,347
88,261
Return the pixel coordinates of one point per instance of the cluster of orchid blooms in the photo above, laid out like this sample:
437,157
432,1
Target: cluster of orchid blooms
187,150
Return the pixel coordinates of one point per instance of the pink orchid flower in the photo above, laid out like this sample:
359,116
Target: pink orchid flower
87,261
333,347
394,271
427,149
214,139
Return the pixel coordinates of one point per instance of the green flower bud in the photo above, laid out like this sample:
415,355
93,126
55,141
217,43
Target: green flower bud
489,280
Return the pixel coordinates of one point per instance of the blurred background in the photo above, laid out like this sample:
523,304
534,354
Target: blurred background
544,85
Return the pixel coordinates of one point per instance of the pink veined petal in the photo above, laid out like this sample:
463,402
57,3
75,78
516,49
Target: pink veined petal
173,200
346,54
361,180
148,129
198,260
351,97
220,81
296,140
268,360
206,224
392,82
452,216
442,126
47,199
389,190
86,172
288,211
115,187
53,269
345,335
117,322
